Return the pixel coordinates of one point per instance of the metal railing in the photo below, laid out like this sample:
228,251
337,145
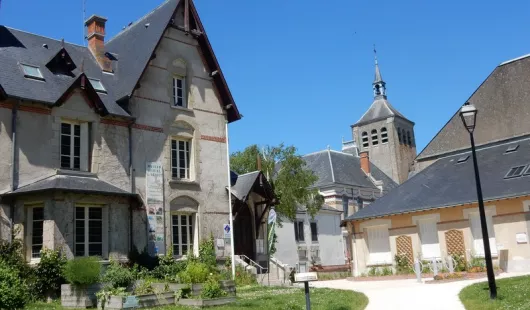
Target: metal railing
250,262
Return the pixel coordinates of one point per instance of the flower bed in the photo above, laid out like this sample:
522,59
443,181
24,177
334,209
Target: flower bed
459,276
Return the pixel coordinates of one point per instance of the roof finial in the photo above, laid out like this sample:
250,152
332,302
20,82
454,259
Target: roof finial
378,84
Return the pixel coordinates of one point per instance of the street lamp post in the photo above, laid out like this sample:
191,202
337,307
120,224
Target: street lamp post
468,113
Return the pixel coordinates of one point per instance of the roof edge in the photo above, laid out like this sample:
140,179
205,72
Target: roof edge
357,124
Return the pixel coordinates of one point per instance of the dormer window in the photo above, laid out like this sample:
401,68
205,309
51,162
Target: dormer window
98,86
32,72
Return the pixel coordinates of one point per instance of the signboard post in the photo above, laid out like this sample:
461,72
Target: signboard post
154,183
306,277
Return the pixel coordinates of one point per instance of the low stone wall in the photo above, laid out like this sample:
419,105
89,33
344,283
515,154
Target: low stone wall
144,301
79,297
207,302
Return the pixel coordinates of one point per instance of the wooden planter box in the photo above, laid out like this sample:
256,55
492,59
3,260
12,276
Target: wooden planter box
228,286
207,302
143,301
79,297
171,287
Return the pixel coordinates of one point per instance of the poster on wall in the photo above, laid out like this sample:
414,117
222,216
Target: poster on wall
154,182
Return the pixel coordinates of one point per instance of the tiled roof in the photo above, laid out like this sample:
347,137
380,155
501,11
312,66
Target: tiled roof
448,182
243,186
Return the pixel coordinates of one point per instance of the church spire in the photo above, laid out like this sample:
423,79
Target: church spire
379,85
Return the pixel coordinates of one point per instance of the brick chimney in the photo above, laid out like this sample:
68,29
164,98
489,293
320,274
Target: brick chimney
365,162
96,40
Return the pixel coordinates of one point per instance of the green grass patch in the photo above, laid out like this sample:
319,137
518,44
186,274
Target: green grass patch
278,298
512,293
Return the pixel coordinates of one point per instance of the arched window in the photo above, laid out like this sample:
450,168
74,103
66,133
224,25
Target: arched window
409,140
365,139
384,135
399,136
375,138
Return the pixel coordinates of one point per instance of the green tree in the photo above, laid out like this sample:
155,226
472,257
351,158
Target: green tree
291,181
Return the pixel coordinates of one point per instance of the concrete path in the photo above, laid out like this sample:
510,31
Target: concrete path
408,294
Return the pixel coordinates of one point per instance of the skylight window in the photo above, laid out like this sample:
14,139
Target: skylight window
515,172
98,86
527,172
462,159
512,148
32,72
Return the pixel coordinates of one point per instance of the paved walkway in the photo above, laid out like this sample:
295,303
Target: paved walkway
407,294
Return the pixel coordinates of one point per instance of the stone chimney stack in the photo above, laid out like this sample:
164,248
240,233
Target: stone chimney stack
96,40
365,162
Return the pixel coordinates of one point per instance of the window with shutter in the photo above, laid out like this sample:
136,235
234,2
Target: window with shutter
378,245
476,231
430,246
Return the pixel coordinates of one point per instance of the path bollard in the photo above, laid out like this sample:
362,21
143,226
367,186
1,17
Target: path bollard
417,270
434,267
450,265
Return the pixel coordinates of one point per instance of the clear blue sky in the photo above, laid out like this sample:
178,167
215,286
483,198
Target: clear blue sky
301,70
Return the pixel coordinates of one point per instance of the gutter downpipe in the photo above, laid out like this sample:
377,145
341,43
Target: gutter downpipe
14,185
133,187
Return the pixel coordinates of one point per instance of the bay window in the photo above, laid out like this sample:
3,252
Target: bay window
35,231
89,231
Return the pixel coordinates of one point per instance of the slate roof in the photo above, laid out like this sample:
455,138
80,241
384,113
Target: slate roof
447,183
243,186
71,184
17,46
502,96
131,50
333,167
322,208
379,110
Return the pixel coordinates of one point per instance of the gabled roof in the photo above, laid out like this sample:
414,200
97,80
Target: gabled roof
248,182
130,52
448,182
379,110
503,103
333,167
133,60
19,47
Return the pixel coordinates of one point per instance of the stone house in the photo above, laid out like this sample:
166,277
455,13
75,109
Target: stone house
434,213
117,145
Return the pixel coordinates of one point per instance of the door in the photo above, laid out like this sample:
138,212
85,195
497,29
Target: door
243,236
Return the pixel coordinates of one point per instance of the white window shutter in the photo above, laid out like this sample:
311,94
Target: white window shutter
84,147
106,234
430,246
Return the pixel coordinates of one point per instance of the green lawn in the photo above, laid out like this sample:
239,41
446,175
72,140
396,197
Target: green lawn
512,293
274,298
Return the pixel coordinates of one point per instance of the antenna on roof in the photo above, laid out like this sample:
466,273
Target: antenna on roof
83,23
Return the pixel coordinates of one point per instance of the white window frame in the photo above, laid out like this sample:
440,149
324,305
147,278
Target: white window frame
29,74
97,85
381,243
83,145
176,97
86,219
31,232
188,156
190,228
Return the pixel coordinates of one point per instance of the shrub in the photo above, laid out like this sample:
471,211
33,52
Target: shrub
117,275
403,266
13,290
169,268
12,254
49,273
82,271
207,254
244,277
372,272
386,271
195,272
142,259
460,262
212,289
